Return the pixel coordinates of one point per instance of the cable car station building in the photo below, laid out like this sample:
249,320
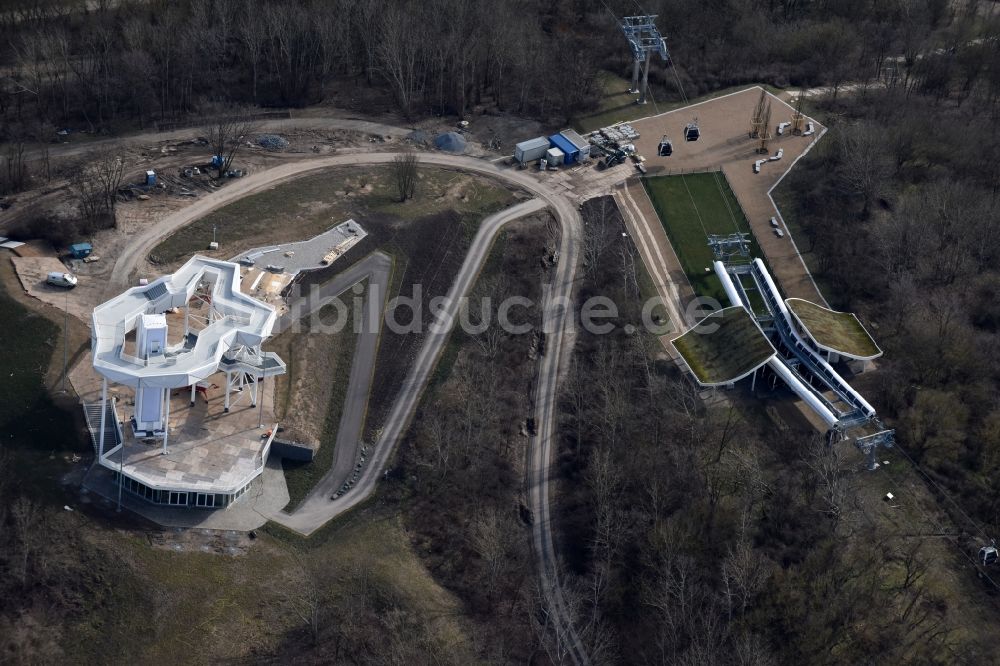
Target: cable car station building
189,428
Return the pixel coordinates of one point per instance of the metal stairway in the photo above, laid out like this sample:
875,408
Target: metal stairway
92,413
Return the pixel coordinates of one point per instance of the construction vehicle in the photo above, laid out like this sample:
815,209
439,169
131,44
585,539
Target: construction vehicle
612,158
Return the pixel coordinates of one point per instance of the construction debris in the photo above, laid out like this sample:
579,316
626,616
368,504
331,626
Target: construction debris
272,142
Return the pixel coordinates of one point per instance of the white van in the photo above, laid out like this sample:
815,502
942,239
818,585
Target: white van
67,280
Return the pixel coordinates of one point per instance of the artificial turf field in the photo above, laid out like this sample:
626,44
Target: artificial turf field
690,207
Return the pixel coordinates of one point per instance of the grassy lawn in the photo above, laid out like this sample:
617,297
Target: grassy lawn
307,206
198,606
35,430
312,392
690,207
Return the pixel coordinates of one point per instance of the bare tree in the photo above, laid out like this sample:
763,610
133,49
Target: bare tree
750,650
404,171
595,234
253,33
26,518
96,180
744,573
87,193
15,176
487,295
491,536
226,134
108,168
865,165
400,52
828,468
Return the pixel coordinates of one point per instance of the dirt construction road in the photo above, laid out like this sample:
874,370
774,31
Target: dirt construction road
319,508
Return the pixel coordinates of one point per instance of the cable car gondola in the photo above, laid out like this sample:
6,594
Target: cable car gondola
666,148
692,132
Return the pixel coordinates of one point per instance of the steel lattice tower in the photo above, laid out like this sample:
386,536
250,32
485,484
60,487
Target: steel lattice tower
644,39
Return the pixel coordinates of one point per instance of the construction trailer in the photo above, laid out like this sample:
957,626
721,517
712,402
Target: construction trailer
581,144
531,150
571,152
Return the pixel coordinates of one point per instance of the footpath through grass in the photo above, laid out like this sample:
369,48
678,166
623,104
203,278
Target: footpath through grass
691,207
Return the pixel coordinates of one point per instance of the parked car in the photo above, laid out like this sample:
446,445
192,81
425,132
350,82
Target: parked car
67,280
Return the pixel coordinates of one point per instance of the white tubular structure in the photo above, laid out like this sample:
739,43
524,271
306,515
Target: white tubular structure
777,363
814,356
783,371
727,283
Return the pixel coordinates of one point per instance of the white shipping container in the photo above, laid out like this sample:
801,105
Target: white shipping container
531,150
554,156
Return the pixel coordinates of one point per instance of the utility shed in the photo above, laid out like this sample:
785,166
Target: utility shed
531,150
80,250
581,144
554,156
571,152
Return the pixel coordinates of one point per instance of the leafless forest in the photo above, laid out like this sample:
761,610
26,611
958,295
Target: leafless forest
691,536
106,66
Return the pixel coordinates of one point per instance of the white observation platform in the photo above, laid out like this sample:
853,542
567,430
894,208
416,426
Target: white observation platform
176,333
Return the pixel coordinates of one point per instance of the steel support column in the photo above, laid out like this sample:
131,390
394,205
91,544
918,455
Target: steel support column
104,412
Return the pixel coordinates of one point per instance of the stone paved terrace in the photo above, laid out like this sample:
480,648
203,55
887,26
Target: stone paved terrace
208,450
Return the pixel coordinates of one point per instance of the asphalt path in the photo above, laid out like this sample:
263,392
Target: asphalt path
377,269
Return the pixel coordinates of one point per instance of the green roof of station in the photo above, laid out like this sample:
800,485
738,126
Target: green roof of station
838,332
724,347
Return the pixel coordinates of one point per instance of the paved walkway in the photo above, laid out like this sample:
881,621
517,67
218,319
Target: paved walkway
377,269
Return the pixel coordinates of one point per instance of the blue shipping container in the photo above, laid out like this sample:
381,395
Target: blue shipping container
562,143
